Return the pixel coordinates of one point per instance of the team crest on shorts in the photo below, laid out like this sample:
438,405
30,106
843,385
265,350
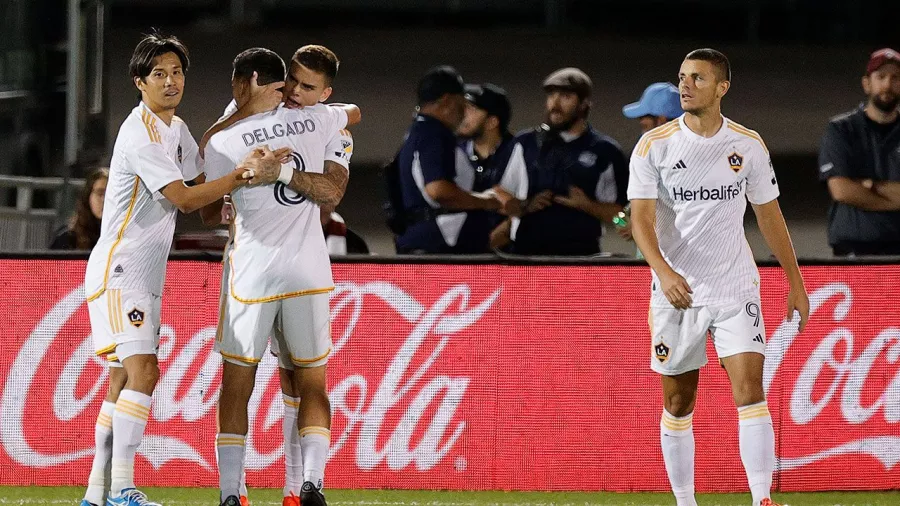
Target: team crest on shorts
736,161
662,352
136,317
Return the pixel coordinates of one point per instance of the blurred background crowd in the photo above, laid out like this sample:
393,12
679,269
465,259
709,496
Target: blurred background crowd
545,98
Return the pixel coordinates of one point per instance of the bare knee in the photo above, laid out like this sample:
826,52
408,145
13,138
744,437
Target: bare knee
747,393
680,403
117,380
286,378
680,393
142,372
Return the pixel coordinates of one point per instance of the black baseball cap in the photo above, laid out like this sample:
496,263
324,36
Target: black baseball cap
570,79
491,99
439,81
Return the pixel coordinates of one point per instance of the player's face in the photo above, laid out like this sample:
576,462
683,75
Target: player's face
473,122
98,193
562,108
162,89
883,87
699,86
304,87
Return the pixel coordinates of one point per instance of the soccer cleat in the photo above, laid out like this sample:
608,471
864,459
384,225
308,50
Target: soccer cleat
245,501
85,502
311,496
130,497
767,502
291,500
232,500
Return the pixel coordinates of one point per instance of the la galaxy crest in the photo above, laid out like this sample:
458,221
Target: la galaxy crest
736,161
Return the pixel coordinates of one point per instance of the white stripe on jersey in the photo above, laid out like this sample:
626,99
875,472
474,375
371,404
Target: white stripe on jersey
138,223
701,186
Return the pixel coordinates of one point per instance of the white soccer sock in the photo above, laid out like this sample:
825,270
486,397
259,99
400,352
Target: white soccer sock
97,484
243,488
314,442
757,439
230,452
293,456
129,422
677,439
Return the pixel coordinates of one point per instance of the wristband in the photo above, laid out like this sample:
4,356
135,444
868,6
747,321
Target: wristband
287,172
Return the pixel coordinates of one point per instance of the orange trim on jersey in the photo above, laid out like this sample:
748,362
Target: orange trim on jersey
246,360
134,192
105,350
304,361
271,298
658,133
112,358
748,133
150,125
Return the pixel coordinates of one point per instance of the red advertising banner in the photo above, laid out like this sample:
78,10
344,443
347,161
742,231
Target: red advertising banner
467,377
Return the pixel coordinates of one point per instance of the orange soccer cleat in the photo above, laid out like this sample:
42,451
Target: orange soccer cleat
245,501
291,500
767,502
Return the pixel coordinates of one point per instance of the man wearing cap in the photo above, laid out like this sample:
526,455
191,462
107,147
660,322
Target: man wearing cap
576,176
484,149
859,159
435,196
659,104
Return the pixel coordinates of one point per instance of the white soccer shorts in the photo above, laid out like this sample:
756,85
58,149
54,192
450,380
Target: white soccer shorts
124,323
679,336
300,325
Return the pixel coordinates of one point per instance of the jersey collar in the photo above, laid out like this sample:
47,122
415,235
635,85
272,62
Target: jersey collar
723,131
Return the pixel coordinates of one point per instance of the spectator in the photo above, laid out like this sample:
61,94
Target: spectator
484,150
859,161
434,195
576,176
659,104
83,229
340,239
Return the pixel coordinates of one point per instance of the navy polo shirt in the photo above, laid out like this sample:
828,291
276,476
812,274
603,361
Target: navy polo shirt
594,163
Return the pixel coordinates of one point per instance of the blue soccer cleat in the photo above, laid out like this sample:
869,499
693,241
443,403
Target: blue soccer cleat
85,502
130,497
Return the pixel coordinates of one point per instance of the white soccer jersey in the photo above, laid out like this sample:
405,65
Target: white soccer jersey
278,248
701,186
138,222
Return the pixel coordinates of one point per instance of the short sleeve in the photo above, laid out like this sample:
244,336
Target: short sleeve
217,165
340,148
155,168
332,118
515,177
436,155
191,161
835,154
762,186
643,177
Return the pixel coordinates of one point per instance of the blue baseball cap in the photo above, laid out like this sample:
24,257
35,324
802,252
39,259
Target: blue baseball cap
659,99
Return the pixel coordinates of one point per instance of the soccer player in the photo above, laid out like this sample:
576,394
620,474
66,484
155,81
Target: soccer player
689,181
289,299
309,82
153,157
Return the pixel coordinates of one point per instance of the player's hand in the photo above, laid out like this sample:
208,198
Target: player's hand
577,199
798,301
265,97
539,202
676,290
509,204
262,165
625,232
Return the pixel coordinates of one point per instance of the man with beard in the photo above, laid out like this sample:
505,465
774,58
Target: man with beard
577,177
484,150
860,162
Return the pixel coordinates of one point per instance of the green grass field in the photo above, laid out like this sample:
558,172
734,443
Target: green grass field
271,497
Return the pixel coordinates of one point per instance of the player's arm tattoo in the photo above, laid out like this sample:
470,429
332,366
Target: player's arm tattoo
324,189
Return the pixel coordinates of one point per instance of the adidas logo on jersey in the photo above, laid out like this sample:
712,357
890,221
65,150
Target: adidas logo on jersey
118,269
679,165
759,339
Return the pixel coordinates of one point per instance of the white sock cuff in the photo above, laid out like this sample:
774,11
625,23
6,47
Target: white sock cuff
677,424
108,408
293,402
230,440
134,405
315,431
754,414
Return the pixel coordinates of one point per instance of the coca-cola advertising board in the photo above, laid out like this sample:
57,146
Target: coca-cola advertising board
471,377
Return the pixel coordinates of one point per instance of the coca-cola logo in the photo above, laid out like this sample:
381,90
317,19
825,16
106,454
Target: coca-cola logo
410,380
837,371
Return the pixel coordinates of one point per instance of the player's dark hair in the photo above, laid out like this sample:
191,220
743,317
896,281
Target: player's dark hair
151,46
718,60
269,67
318,59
